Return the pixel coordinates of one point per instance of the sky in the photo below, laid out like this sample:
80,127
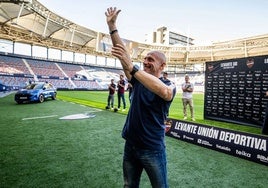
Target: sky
206,21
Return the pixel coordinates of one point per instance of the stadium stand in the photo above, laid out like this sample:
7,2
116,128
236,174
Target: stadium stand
70,70
59,35
13,65
16,72
44,68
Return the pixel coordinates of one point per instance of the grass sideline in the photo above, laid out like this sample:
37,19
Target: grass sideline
49,152
98,99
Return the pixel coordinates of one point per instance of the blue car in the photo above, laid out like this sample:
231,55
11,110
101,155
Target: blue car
36,92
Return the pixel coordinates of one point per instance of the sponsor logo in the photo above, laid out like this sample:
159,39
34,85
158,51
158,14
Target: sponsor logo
210,67
262,158
175,134
243,153
225,148
204,142
250,62
187,137
168,124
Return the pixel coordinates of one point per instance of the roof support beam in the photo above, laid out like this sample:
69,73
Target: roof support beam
72,38
18,17
45,29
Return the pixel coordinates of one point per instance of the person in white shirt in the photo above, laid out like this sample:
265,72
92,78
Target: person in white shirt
187,97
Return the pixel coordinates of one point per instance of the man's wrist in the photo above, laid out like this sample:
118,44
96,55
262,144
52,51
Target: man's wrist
135,69
113,31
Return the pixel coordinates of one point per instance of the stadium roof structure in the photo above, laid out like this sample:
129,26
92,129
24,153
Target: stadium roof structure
28,21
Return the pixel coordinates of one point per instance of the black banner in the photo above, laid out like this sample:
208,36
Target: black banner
235,90
243,145
52,77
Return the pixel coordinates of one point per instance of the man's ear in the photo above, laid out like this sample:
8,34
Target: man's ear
163,65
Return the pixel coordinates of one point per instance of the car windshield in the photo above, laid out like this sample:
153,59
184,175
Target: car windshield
34,86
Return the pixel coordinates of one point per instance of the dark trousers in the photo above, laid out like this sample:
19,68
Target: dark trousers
110,100
136,160
121,95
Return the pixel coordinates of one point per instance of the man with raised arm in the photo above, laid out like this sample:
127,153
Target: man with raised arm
144,129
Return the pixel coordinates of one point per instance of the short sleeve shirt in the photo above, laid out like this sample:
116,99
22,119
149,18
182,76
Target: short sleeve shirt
144,127
185,94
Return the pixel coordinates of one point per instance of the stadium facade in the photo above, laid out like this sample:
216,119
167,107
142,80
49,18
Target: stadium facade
167,37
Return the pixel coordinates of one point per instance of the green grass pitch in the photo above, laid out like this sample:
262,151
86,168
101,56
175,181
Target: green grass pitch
40,150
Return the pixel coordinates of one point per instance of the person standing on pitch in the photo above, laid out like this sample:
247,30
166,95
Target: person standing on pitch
129,88
165,76
187,97
121,92
144,128
110,100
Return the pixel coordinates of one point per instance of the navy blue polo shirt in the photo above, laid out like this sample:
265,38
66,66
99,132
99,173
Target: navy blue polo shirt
144,127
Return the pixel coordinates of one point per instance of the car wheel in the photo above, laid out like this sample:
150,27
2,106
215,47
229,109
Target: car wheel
41,98
54,96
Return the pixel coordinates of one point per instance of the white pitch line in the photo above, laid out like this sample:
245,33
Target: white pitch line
42,117
98,110
94,110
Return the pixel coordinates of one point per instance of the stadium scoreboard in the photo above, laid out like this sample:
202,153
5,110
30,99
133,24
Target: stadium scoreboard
235,90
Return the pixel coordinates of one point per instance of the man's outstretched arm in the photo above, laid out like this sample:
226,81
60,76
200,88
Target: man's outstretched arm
119,50
123,55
